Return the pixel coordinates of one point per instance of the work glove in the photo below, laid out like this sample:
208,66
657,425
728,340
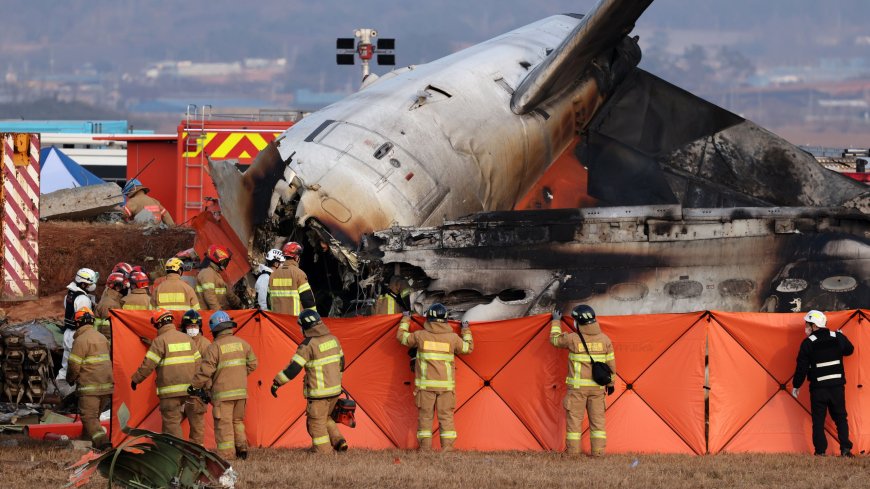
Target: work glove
557,315
795,391
609,389
133,385
274,389
465,325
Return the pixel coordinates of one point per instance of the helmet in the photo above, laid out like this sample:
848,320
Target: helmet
274,255
132,186
583,315
816,317
117,281
218,255
174,265
291,249
191,317
123,267
87,279
161,317
436,312
84,316
308,319
220,321
139,280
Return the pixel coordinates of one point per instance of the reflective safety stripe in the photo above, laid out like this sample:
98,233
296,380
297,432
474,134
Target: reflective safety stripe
101,433
164,298
424,434
94,387
403,327
176,307
581,357
172,389
597,434
828,377
391,304
327,345
827,364
95,358
75,359
236,362
320,440
445,384
282,282
230,393
180,360
135,307
220,290
153,356
323,361
582,383
284,293
204,286
325,392
448,434
225,445
281,378
304,287
177,347
443,357
571,435
555,333
466,343
298,359
232,347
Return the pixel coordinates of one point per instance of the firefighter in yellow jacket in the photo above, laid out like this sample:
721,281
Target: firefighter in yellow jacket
289,291
141,207
195,408
172,293
321,356
213,291
396,299
117,285
435,372
584,393
224,369
173,355
138,298
90,367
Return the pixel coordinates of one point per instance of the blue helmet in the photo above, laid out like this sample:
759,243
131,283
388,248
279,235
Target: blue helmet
308,319
191,317
437,312
132,186
583,315
220,321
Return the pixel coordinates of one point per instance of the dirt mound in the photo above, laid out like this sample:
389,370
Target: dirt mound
66,246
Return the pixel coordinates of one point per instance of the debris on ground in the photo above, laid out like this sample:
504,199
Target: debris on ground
80,202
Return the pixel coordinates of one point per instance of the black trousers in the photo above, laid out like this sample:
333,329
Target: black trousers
829,399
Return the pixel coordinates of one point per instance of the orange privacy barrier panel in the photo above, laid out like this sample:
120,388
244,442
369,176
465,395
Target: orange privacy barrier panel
509,390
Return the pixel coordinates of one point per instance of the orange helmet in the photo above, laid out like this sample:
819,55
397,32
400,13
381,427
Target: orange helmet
161,317
117,281
218,255
124,268
139,280
292,249
84,316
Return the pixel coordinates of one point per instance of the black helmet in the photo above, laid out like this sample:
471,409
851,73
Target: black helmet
583,315
191,317
436,312
308,319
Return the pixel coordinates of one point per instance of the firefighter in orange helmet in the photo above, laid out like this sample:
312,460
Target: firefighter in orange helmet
214,294
321,356
585,391
90,368
289,291
138,298
435,372
116,289
176,359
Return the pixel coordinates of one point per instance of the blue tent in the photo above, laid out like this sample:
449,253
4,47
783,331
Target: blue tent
59,171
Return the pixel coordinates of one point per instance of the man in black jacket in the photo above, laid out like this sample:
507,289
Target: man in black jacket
821,360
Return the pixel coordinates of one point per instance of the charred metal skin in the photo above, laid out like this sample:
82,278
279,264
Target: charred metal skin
642,260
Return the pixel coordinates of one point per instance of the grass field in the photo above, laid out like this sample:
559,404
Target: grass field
32,465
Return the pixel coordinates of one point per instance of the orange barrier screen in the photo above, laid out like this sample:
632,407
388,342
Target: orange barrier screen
676,374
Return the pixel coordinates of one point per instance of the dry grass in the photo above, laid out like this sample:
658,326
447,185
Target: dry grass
36,464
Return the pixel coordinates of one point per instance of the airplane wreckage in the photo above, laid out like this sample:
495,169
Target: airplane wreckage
543,168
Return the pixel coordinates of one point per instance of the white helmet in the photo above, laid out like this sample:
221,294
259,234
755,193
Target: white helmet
816,317
275,255
87,279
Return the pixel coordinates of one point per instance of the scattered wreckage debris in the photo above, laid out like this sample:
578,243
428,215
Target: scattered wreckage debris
81,202
26,367
154,460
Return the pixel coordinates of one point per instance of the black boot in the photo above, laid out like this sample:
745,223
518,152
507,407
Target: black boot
242,453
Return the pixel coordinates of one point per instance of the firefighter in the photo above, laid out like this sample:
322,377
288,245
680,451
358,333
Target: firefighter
289,291
195,408
142,208
138,298
117,285
91,369
173,293
820,359
211,287
274,258
584,393
396,299
321,356
225,366
77,297
175,358
435,372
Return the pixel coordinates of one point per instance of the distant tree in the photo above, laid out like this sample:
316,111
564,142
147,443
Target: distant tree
733,67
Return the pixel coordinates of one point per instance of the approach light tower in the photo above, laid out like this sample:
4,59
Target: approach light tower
347,48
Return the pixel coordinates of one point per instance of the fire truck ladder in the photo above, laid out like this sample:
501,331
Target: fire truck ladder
194,166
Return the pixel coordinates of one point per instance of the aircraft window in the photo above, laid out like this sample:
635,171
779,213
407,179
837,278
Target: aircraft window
736,287
396,163
792,285
525,64
684,289
839,283
629,291
383,150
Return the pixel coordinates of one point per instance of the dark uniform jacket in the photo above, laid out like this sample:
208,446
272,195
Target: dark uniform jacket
820,359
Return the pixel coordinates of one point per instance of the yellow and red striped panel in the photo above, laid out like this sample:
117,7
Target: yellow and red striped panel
20,220
226,145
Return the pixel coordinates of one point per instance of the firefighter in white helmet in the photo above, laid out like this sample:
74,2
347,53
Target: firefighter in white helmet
79,295
274,258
